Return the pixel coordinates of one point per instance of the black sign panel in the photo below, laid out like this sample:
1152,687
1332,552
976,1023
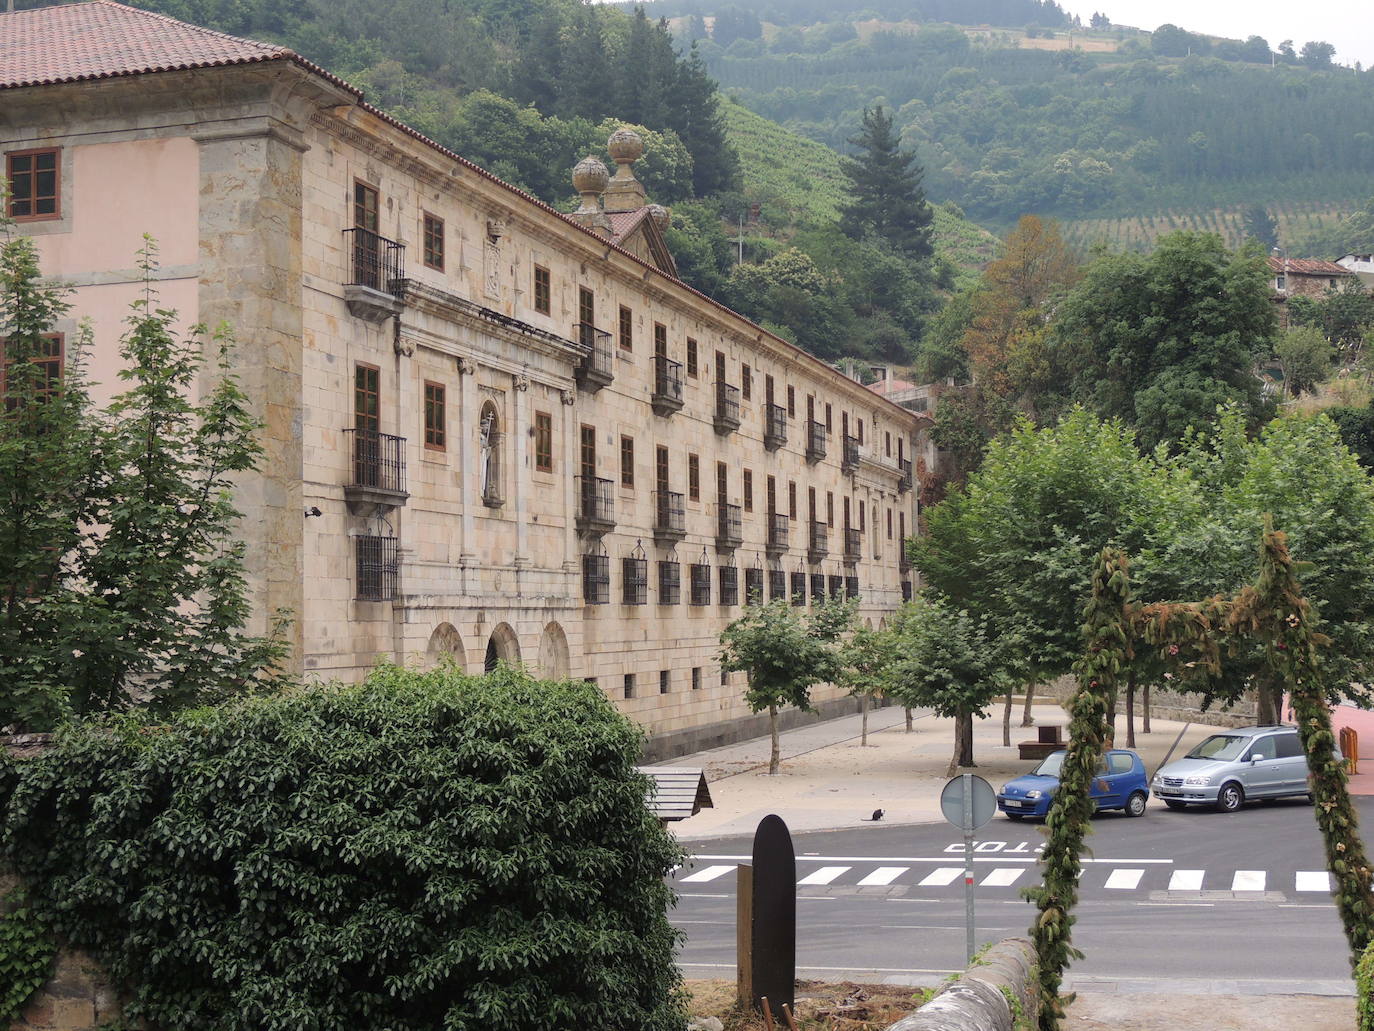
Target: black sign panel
775,915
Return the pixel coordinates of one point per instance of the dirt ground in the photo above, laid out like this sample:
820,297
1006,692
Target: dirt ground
851,1007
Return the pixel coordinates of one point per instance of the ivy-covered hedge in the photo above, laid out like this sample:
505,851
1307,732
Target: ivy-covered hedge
419,851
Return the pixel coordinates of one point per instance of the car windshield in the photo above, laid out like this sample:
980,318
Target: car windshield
1049,766
1221,747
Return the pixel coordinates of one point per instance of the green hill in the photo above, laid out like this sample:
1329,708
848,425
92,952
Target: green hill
797,180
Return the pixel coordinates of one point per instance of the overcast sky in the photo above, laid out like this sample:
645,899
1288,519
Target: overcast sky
1348,25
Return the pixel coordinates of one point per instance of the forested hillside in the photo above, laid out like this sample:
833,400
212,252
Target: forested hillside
1134,128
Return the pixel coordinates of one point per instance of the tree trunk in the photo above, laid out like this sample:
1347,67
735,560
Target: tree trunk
1110,741
776,757
1006,723
1266,707
863,713
1130,710
908,719
966,739
1145,710
958,749
1026,720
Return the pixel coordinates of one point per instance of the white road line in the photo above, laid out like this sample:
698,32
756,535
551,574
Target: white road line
1124,880
883,875
824,875
1186,880
1008,856
1248,880
1003,876
709,874
1313,880
944,875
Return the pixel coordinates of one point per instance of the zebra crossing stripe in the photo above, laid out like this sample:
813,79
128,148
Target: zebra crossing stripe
883,875
1124,879
1186,880
942,875
824,875
708,874
1003,876
1248,880
1313,880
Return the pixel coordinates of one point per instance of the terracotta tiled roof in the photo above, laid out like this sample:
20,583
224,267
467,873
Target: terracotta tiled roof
624,222
1308,267
101,39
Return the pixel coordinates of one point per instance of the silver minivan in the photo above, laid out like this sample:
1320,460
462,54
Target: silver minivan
1234,765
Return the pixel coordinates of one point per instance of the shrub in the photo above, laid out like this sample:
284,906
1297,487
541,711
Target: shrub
422,850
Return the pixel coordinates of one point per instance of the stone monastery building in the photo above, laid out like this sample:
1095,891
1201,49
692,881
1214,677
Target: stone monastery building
492,430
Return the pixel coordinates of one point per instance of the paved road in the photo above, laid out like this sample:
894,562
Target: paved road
1188,895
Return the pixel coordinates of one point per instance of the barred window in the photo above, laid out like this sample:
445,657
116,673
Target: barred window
777,584
817,587
596,579
696,678
836,588
753,586
729,585
851,587
701,583
376,568
664,679
634,574
798,588
669,582
629,685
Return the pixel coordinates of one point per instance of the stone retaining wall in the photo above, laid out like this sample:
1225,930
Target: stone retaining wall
1165,704
996,993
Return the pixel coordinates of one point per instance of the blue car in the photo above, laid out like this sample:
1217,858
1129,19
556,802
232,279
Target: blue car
1120,784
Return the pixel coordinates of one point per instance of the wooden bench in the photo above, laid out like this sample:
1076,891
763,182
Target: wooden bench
1048,739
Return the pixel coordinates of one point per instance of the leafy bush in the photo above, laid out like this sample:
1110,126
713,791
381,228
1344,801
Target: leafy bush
422,850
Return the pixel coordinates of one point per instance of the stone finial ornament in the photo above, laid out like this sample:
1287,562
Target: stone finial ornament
625,146
625,192
590,179
660,215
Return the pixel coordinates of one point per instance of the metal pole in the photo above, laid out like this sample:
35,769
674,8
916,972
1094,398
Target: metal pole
968,863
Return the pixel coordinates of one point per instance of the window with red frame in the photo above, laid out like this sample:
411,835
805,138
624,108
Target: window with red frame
47,360
434,242
35,184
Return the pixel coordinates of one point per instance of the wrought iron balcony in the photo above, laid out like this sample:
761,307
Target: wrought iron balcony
904,483
596,505
818,541
853,544
774,427
597,366
378,481
667,396
727,407
850,462
729,527
778,525
376,568
376,275
815,440
670,516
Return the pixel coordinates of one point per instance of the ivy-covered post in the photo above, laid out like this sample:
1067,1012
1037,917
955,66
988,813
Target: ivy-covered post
1107,649
1282,619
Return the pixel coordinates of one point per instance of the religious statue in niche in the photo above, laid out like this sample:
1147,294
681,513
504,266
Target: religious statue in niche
487,463
491,258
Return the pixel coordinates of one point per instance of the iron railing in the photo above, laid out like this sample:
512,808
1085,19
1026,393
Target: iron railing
753,586
597,366
670,514
669,582
818,540
774,427
596,502
778,525
904,483
815,440
379,460
777,584
596,579
853,544
817,587
851,454
836,587
667,396
729,526
634,577
376,567
851,586
906,590
727,407
377,263
798,586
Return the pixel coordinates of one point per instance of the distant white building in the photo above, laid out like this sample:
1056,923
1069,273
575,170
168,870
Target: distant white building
1360,264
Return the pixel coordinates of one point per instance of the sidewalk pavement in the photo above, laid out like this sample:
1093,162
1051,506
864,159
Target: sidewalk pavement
828,781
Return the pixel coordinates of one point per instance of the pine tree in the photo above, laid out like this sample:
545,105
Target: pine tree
885,182
1260,225
699,123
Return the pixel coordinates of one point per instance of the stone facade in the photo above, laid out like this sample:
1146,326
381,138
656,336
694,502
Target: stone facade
499,469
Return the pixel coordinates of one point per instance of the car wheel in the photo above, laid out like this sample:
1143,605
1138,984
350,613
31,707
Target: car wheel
1174,803
1015,816
1229,798
1135,805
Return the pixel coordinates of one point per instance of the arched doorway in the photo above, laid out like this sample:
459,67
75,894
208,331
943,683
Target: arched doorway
503,646
554,661
446,641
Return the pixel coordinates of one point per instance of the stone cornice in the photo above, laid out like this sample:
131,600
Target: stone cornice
446,305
